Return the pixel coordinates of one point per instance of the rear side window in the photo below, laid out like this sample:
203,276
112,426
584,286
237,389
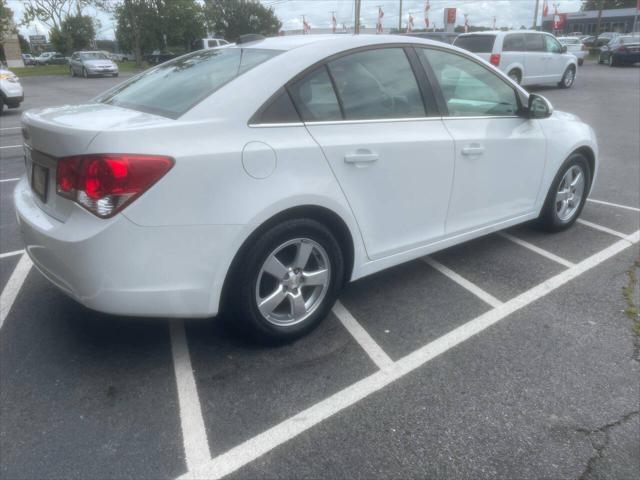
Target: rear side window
176,86
534,42
315,98
513,43
476,43
377,84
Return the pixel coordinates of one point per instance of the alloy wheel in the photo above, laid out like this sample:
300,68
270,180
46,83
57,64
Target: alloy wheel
569,77
570,192
293,282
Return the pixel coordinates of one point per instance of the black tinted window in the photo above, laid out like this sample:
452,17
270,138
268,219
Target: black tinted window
174,87
476,43
513,43
315,98
377,84
534,42
279,110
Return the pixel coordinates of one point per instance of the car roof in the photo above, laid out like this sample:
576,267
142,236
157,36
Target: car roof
498,32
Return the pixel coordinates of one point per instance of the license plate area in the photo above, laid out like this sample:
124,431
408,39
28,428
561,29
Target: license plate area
40,181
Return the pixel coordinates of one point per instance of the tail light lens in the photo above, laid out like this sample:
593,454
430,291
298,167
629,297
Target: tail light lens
105,184
495,59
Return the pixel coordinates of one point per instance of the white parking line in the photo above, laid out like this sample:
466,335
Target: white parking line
538,250
608,230
11,254
463,282
602,202
9,128
259,445
9,179
368,344
11,146
13,286
194,434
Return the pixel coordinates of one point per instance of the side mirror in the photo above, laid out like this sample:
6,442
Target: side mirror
563,49
539,107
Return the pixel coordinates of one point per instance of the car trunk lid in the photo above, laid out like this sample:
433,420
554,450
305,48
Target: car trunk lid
53,133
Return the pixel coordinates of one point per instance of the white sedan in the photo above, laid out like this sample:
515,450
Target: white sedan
259,178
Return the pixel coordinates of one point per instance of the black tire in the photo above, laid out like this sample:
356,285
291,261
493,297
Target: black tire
244,314
548,219
85,74
612,61
72,72
515,75
115,74
580,62
570,72
1,106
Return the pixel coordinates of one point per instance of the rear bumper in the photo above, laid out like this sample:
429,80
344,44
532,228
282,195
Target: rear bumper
627,57
117,267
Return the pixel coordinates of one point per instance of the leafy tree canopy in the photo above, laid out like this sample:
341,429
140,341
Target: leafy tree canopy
607,4
76,32
231,18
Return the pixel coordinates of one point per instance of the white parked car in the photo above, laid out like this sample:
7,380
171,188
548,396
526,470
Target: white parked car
212,43
574,46
11,92
261,177
528,57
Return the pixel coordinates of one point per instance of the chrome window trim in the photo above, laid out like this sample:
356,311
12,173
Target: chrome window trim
379,120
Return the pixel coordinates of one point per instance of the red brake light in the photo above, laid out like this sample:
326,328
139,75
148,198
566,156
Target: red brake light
105,184
495,59
622,49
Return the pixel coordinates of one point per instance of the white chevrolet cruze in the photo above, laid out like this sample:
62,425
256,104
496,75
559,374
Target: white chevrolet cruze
259,178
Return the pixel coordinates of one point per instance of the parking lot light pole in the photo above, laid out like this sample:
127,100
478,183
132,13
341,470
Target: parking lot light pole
356,24
535,15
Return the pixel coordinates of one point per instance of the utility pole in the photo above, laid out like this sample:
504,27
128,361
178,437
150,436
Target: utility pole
535,15
400,18
595,42
356,25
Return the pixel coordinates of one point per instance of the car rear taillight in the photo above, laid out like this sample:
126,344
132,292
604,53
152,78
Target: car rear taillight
621,49
104,184
495,59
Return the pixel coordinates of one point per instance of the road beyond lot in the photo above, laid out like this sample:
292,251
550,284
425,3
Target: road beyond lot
509,357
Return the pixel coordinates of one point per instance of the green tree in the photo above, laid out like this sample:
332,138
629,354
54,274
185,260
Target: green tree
607,4
6,20
232,18
51,12
76,32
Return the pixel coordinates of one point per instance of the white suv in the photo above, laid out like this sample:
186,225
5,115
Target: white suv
528,57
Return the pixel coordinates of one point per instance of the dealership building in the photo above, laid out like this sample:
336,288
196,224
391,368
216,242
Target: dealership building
621,20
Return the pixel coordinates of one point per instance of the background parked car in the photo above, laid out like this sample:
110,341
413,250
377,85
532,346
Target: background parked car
603,39
623,49
28,59
89,64
527,57
51,58
11,93
575,46
122,57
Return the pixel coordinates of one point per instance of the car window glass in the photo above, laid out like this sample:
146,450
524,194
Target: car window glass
534,42
377,84
552,45
469,88
277,110
176,86
513,43
315,98
476,43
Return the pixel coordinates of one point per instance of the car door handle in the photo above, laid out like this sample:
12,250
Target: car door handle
361,157
472,150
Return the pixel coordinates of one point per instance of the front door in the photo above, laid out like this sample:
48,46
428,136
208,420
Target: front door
393,162
499,156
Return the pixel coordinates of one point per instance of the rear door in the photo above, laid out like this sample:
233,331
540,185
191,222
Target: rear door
394,162
480,44
499,156
535,58
513,54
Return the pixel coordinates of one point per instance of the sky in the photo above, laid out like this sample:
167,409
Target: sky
508,13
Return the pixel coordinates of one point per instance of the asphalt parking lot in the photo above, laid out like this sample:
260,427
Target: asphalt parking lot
506,357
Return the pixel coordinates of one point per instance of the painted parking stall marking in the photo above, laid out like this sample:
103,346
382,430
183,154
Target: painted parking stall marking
536,249
13,286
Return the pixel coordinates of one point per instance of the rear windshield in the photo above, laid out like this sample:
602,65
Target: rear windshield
570,41
174,87
476,43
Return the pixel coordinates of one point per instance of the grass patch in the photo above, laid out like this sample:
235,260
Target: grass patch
42,70
631,292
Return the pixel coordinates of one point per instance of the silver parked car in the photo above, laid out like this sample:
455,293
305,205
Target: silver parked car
90,64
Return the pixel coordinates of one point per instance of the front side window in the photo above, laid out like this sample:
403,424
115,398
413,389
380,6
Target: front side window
513,43
377,84
174,87
534,42
552,45
470,89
